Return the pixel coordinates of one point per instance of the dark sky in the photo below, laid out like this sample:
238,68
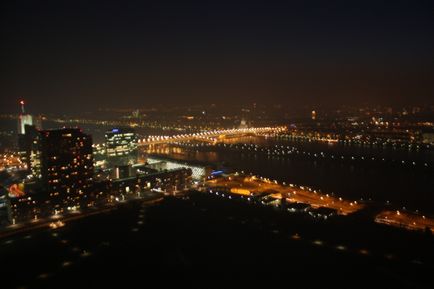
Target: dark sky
81,55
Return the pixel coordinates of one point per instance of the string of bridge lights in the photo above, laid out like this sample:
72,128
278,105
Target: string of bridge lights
375,143
289,151
211,134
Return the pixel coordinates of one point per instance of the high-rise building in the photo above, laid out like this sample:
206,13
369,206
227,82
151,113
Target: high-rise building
23,119
62,162
121,147
27,130
25,143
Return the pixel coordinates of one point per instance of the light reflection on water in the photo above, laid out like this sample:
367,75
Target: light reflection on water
403,186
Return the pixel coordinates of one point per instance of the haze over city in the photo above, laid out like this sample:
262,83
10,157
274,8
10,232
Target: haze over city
113,53
217,144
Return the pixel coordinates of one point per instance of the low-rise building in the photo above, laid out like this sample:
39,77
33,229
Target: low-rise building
323,212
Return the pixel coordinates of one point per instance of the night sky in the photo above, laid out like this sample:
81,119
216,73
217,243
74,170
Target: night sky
80,55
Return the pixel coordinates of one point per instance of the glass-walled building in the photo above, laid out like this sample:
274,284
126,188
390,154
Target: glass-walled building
121,147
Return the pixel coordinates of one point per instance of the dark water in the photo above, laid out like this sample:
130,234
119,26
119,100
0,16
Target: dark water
401,185
209,242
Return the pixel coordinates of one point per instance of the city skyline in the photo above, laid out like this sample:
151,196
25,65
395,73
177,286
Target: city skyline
217,144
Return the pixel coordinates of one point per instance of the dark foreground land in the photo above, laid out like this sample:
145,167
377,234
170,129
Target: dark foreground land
203,241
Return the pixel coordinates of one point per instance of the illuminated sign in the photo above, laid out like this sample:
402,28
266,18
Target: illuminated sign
16,190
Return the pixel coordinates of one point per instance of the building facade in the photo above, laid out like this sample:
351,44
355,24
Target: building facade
121,147
25,143
168,181
62,162
23,120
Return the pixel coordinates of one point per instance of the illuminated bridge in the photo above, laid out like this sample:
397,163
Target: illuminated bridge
211,135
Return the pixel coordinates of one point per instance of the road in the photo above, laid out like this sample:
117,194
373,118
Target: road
257,185
45,222
254,185
404,219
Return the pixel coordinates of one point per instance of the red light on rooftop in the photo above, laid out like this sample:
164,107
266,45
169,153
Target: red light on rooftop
22,106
